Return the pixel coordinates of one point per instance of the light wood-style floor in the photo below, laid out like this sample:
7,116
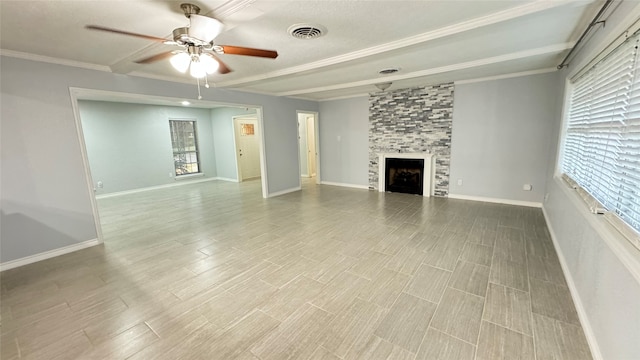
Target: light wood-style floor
213,271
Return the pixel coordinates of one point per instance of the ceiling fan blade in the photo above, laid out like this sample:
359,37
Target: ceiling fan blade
223,68
116,31
238,50
154,58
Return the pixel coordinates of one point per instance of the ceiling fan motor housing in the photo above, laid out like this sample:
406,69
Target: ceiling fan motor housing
183,37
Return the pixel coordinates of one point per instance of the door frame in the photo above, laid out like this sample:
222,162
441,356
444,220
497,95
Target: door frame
316,135
258,133
315,151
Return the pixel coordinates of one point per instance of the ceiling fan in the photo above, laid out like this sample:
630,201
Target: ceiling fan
198,53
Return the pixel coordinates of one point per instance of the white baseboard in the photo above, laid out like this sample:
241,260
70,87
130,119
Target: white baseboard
582,313
286,191
178,183
497,201
366,187
226,179
47,255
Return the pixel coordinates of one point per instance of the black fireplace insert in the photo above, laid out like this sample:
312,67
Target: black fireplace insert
404,175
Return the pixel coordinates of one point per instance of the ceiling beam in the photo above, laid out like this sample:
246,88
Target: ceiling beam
552,49
468,25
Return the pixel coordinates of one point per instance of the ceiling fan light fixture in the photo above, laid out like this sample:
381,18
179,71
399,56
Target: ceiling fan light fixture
204,27
210,64
180,61
197,69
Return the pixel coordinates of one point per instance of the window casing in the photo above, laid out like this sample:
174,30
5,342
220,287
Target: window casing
601,148
184,141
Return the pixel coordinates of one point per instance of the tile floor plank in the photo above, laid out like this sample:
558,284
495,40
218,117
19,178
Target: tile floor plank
509,308
290,297
380,349
406,322
559,340
470,277
385,288
440,346
459,315
509,273
297,337
353,325
429,283
553,301
497,342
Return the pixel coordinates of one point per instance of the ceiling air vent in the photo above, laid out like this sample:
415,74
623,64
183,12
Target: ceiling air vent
388,71
306,31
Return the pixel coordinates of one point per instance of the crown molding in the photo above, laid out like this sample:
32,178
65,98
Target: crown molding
345,97
506,76
490,19
433,71
53,60
175,79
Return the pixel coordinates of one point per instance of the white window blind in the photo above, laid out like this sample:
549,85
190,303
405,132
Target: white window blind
601,151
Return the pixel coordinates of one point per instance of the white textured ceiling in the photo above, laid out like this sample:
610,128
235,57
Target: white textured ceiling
430,41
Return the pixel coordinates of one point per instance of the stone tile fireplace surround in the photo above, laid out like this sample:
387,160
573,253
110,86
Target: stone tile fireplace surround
415,120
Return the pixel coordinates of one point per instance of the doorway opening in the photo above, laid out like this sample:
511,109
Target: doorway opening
247,143
308,145
128,145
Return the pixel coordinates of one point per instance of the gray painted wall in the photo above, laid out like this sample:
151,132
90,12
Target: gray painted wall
344,141
45,201
607,287
224,140
129,145
501,137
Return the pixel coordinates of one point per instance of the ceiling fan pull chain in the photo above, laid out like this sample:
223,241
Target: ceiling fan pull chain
206,81
198,82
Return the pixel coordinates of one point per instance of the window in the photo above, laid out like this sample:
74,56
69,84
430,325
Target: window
184,141
601,151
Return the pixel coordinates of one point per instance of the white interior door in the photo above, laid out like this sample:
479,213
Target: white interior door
248,147
311,145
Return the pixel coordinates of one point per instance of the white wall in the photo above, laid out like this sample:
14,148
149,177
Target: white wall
223,140
129,145
44,197
344,141
500,137
602,269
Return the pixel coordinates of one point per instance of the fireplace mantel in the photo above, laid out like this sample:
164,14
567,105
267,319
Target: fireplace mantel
429,169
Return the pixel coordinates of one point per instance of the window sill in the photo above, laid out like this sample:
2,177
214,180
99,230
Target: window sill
190,176
624,250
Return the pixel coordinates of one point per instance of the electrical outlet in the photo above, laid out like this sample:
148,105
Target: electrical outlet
459,182
100,184
527,187
170,174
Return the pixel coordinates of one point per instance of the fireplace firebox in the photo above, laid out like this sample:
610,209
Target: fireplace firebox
404,175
